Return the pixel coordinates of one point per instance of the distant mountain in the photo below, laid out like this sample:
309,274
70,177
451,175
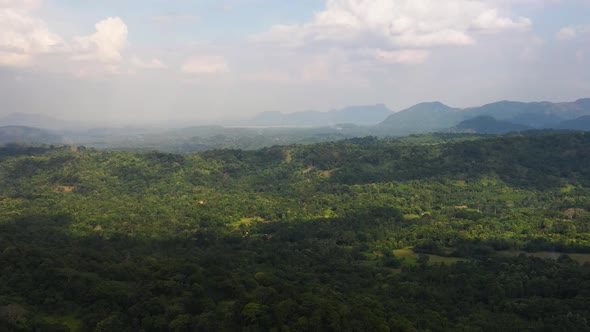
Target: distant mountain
535,114
421,118
358,115
435,116
582,124
35,120
13,134
488,125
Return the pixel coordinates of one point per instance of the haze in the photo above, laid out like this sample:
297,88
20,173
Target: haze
183,62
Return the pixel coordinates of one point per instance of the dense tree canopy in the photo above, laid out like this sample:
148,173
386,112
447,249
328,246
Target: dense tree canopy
418,234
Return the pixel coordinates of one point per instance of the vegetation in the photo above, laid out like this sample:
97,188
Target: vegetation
425,233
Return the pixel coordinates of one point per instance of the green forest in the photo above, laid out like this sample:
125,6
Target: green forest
425,233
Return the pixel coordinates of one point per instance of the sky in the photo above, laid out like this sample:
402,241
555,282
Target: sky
118,62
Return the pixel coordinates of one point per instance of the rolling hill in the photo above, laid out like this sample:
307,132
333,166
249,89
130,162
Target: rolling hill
11,134
435,116
359,115
488,125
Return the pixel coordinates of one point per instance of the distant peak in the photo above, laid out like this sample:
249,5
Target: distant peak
430,106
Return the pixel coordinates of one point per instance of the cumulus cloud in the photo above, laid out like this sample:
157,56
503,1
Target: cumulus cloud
22,36
369,33
21,4
395,24
566,33
205,64
402,56
25,40
154,63
571,32
106,44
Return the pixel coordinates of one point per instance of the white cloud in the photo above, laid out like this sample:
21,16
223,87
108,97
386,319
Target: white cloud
572,32
22,36
403,56
105,45
319,69
154,63
25,41
205,64
21,4
395,24
566,33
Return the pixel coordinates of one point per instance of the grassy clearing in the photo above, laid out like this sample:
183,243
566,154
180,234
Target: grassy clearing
411,258
73,323
246,222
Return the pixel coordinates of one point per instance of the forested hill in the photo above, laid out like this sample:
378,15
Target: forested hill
425,233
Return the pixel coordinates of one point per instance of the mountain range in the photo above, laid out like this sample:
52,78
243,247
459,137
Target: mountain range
359,115
355,121
486,124
36,120
10,134
435,116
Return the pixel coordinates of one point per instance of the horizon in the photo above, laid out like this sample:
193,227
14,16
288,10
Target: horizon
153,62
228,122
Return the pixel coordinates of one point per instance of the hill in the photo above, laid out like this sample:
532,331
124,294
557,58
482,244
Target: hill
12,134
422,118
489,125
358,115
435,116
582,124
35,120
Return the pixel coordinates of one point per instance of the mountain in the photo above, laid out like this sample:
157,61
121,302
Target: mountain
421,118
535,114
488,125
582,124
12,134
35,120
435,116
358,115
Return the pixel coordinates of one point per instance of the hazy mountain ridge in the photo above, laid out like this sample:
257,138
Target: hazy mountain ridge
36,120
582,124
274,128
359,115
435,116
486,124
10,134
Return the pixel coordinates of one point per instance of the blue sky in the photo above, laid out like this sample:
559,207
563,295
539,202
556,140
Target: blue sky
156,61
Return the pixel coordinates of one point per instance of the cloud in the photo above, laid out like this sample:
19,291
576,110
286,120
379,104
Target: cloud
105,45
367,35
21,4
571,32
26,41
396,24
566,33
22,36
152,64
403,56
205,64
